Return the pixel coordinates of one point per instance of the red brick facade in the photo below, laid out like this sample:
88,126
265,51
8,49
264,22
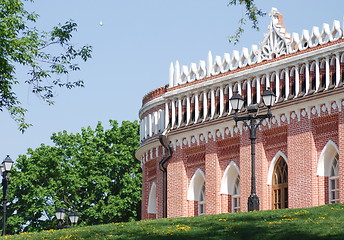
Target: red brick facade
306,133
300,141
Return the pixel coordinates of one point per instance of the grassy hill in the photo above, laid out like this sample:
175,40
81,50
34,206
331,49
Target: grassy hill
324,223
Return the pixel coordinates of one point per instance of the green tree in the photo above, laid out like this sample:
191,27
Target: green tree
252,13
43,54
93,172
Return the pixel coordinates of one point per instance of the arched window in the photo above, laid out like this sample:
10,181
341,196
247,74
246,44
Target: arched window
208,114
201,201
333,77
244,93
302,81
152,199
230,185
312,79
322,84
196,192
280,185
217,103
282,86
226,100
254,91
184,113
192,110
334,181
236,196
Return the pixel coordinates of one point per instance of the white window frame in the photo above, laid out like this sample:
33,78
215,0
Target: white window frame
201,201
334,177
236,196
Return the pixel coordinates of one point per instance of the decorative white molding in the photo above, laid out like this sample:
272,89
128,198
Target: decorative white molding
228,179
277,42
326,157
273,163
195,185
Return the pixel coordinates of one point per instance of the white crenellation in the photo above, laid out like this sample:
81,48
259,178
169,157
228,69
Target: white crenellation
277,42
291,82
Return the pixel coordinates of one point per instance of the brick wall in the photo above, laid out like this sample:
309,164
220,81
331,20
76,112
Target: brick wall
301,141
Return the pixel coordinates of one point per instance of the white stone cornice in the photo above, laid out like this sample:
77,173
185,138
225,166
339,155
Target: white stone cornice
313,107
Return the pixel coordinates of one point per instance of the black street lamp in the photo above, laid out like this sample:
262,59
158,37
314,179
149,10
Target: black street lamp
5,170
73,217
60,214
255,120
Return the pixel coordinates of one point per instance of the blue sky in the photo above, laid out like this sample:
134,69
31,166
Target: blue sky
132,53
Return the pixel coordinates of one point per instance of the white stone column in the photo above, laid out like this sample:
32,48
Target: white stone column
167,115
297,80
205,105
327,68
188,109
337,69
239,87
196,107
249,91
146,126
317,74
180,115
212,103
307,77
149,125
161,119
221,101
267,81
230,94
155,123
173,112
286,82
277,85
141,131
258,89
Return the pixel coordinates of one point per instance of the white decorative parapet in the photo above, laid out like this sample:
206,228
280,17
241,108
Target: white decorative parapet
277,42
152,124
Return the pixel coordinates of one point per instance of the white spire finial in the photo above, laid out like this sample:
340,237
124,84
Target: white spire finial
210,64
176,79
171,75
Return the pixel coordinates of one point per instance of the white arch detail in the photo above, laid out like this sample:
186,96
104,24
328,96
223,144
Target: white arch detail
228,179
196,183
325,159
152,199
273,163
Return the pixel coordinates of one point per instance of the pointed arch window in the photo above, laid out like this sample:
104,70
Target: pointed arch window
152,199
236,196
334,181
201,201
280,185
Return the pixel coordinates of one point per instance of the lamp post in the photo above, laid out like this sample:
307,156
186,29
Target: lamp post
60,214
5,170
252,121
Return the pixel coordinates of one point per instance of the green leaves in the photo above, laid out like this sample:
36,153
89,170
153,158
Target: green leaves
251,12
93,172
48,55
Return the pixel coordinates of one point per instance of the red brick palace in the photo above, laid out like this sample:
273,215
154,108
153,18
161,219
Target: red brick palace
196,160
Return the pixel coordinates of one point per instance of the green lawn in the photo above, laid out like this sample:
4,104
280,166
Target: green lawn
324,223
